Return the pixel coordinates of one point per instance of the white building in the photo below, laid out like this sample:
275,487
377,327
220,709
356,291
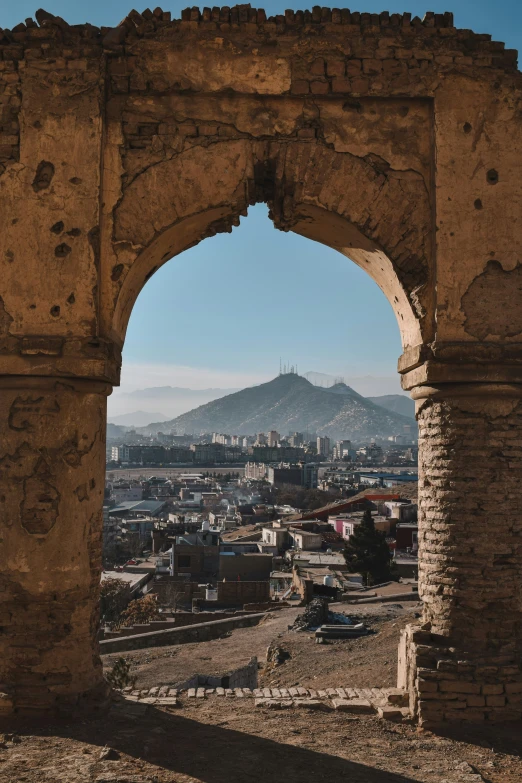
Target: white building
323,446
122,494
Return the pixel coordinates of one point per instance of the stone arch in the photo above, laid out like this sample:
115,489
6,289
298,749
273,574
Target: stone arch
376,216
390,138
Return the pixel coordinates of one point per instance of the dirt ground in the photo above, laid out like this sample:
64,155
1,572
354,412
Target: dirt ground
233,741
368,662
217,740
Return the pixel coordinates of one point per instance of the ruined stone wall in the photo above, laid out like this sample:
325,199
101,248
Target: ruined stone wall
155,100
390,139
464,663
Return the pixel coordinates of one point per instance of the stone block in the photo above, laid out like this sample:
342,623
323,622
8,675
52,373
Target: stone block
427,686
274,704
300,87
390,713
455,686
354,706
492,689
340,84
311,704
335,67
318,67
398,697
513,687
372,66
353,68
496,701
319,87
475,701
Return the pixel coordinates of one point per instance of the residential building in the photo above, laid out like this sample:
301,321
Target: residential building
121,493
386,479
296,439
275,536
323,446
301,475
273,438
303,539
342,449
255,471
277,454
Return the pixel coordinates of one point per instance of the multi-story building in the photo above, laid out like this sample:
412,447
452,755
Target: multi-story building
208,453
302,475
273,438
256,471
126,453
296,439
323,446
342,449
277,454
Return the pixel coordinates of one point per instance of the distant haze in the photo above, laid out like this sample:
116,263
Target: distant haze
141,407
137,408
367,385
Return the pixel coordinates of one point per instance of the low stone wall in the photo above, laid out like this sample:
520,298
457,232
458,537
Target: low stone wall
202,632
382,599
449,684
242,677
177,621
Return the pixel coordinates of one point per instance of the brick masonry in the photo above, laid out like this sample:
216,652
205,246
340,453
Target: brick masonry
389,138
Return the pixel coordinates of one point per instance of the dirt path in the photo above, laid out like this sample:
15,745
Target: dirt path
220,740
366,662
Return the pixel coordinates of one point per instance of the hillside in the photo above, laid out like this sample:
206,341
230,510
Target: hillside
290,403
397,403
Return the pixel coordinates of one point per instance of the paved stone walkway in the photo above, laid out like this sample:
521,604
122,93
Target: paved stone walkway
391,703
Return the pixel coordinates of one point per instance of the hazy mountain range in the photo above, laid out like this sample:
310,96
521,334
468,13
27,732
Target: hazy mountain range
291,403
163,403
133,409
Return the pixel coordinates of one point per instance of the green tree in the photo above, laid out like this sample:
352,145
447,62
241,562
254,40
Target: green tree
114,597
367,552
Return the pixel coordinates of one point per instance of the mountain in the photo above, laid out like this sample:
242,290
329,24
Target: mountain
290,403
137,418
398,403
171,400
115,431
367,385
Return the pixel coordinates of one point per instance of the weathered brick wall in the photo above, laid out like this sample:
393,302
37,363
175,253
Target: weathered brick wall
465,662
393,140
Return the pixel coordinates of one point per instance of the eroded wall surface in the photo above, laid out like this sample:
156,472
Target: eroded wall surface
389,138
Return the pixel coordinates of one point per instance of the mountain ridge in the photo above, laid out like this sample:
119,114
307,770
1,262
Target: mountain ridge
289,403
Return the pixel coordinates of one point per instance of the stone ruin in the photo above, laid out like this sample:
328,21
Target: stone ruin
389,138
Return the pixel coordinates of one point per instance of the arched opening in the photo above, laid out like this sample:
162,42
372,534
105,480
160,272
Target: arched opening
375,215
325,229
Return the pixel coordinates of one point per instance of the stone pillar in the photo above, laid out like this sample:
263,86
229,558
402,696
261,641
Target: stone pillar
465,661
52,464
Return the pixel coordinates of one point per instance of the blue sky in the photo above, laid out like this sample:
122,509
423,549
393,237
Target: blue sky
222,313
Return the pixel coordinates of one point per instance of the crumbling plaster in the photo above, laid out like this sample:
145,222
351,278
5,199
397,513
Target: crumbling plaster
393,140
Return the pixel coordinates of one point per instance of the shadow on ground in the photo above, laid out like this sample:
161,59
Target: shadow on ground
202,753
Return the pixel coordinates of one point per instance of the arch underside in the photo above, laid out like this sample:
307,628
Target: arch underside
376,216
